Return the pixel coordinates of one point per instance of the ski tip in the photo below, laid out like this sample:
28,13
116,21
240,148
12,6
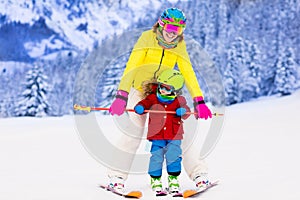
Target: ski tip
134,194
189,193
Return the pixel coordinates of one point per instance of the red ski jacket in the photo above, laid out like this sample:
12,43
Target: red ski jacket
164,126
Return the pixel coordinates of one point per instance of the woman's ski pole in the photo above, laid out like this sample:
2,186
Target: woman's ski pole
89,109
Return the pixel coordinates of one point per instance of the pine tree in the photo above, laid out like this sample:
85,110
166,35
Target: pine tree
286,73
33,101
110,79
62,82
251,72
7,93
2,94
231,76
242,75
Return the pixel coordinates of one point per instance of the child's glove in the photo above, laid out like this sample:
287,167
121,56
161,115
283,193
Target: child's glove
180,111
202,111
119,105
139,109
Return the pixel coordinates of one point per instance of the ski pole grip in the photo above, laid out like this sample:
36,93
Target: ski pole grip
83,108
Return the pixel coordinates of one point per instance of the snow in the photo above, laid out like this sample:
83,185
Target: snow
24,13
255,158
63,17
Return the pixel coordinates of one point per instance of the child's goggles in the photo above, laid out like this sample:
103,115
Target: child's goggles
167,88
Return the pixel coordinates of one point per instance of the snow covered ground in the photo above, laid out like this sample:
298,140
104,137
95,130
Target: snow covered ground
256,157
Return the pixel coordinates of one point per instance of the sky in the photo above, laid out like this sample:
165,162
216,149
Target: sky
255,157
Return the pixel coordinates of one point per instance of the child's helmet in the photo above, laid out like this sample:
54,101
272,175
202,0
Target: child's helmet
172,16
171,77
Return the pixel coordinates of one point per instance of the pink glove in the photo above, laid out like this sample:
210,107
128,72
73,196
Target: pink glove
119,105
201,109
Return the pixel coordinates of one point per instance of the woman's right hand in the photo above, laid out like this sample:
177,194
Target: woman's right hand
119,104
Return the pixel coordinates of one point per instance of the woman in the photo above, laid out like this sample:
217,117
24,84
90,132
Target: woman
156,50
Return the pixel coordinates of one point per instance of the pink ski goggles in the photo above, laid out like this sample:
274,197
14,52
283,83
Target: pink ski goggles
172,27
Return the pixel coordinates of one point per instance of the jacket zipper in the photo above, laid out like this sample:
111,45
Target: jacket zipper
162,56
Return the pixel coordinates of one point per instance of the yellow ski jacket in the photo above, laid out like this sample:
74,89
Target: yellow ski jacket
147,60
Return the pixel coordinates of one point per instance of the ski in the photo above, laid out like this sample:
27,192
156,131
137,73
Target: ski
131,194
195,192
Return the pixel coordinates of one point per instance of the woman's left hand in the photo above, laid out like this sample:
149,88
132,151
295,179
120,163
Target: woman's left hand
201,109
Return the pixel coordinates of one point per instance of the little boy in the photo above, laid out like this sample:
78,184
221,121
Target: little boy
165,129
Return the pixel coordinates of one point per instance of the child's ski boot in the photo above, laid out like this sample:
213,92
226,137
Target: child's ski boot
156,186
174,186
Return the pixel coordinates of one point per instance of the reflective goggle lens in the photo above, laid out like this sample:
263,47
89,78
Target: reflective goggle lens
170,28
165,87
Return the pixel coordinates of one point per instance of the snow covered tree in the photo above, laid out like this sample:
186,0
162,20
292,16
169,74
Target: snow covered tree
33,101
63,72
242,75
251,76
108,83
7,93
2,93
231,76
286,73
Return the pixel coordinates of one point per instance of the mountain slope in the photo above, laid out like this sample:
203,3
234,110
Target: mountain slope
31,29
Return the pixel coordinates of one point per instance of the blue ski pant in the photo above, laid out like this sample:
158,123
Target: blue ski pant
168,149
